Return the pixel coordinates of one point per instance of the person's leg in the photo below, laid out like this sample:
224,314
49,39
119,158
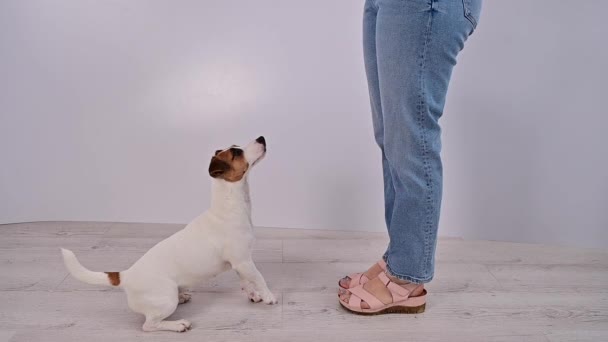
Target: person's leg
417,43
371,70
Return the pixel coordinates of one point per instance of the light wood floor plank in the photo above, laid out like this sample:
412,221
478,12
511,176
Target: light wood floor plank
552,278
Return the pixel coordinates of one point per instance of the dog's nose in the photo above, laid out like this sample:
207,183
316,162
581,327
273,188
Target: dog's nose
261,140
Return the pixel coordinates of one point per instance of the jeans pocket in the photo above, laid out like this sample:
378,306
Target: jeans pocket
472,9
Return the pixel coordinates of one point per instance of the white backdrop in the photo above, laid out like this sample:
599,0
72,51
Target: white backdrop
110,110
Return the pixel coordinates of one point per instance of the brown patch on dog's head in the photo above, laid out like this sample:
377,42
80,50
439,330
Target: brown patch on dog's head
229,165
114,278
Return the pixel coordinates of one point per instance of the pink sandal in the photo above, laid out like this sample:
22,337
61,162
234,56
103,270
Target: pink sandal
357,279
402,302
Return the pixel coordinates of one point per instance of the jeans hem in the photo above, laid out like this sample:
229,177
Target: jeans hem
411,279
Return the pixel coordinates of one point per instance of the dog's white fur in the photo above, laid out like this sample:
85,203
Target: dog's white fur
218,240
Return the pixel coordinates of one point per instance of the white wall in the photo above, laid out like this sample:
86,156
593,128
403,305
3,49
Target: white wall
110,110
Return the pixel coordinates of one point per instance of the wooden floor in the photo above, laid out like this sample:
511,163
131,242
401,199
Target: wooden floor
483,291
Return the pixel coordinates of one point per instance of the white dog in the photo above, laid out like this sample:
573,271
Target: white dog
216,241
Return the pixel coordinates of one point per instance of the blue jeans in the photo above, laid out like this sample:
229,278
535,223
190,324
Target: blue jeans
410,49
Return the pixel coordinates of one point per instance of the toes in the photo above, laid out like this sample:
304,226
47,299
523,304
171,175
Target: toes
345,297
344,282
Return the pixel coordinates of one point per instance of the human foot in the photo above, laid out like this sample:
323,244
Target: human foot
384,294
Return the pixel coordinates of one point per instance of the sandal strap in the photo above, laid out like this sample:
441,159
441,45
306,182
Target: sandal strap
354,301
361,278
362,295
358,279
399,292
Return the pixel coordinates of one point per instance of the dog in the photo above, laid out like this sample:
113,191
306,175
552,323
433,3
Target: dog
218,240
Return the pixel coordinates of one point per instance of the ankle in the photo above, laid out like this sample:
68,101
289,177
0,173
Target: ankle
401,281
415,289
397,280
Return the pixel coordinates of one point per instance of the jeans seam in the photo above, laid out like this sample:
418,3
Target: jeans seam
424,142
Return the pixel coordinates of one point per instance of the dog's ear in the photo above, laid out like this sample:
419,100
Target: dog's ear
218,167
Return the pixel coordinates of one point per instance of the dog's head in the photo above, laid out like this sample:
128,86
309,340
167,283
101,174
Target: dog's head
233,163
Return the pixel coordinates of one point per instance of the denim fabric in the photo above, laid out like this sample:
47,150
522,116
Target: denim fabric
410,49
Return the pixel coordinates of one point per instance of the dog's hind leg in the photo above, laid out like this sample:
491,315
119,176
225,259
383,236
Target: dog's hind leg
157,306
152,324
183,296
156,313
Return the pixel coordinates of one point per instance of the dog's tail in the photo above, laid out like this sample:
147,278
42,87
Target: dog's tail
81,273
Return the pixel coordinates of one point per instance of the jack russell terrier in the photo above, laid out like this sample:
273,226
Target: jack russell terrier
218,240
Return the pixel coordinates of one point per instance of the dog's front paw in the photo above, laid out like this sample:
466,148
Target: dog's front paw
269,298
255,296
251,292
